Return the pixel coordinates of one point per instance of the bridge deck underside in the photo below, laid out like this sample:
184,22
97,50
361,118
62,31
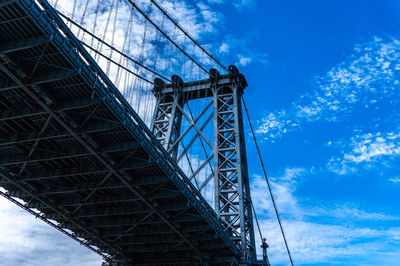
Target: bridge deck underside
74,150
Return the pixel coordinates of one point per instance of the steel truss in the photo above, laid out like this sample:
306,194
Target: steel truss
231,182
81,156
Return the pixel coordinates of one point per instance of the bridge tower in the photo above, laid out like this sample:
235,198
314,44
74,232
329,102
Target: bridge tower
231,181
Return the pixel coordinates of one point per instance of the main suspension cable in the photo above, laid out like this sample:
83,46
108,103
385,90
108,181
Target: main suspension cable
110,47
166,35
187,34
268,184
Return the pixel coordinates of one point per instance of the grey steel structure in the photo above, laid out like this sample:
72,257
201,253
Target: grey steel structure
230,173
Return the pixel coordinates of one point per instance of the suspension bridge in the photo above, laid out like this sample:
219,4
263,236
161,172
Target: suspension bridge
120,130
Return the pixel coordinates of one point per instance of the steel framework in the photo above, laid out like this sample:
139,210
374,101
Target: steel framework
77,155
230,173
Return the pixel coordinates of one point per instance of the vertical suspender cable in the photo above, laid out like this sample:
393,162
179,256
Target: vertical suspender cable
129,78
268,184
82,18
138,84
122,59
170,53
100,45
95,21
119,72
73,11
186,33
112,39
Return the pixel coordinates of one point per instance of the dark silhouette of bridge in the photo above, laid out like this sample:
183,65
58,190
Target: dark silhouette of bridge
74,153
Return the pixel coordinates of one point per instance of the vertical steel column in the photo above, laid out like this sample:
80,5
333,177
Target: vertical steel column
232,193
167,118
231,179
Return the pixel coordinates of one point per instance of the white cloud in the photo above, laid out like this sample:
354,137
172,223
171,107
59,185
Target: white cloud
370,146
344,212
28,241
249,56
243,49
395,180
273,125
367,77
366,150
224,48
208,14
282,187
318,232
312,242
244,4
244,61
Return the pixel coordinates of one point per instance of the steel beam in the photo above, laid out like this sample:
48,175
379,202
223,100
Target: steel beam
12,159
40,79
52,76
119,226
94,212
197,89
212,245
167,118
43,174
77,199
93,127
24,112
8,85
161,239
190,126
89,186
6,2
18,45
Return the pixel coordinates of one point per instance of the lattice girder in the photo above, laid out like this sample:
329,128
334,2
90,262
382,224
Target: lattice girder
229,171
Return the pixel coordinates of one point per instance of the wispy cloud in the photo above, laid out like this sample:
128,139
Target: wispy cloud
240,5
283,187
312,242
344,211
25,241
395,180
244,4
243,49
244,61
208,14
319,232
367,150
367,77
224,48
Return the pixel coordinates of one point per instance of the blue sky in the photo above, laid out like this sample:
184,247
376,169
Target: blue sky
323,92
323,96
